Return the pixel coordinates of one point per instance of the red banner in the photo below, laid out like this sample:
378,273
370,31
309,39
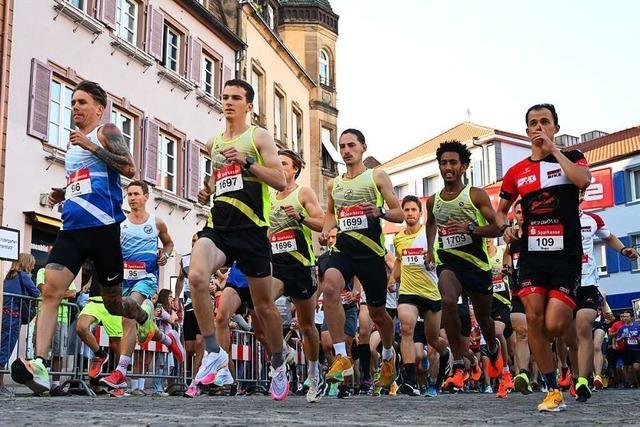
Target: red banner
599,194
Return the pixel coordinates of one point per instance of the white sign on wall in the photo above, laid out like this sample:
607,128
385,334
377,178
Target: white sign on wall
9,244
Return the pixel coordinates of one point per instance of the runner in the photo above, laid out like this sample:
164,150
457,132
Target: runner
95,159
419,297
462,215
355,204
588,297
295,212
142,258
551,250
246,163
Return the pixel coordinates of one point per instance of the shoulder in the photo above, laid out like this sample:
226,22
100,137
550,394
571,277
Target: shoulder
160,224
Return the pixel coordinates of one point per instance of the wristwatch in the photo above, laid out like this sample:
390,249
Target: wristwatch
302,217
383,212
247,164
471,227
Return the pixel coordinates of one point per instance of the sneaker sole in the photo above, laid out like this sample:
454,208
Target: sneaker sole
22,373
521,386
560,408
121,386
96,375
282,396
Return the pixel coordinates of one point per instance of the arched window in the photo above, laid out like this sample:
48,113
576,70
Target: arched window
324,68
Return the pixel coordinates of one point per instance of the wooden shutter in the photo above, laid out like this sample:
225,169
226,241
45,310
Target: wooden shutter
106,13
192,171
106,114
155,29
150,151
226,74
39,98
619,188
194,61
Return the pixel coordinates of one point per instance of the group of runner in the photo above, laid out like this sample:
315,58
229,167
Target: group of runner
452,277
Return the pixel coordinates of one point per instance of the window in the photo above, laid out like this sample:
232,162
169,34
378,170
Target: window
296,131
127,20
328,163
270,17
171,48
634,178
476,174
205,169
167,163
256,83
80,4
278,126
125,123
324,68
401,190
635,243
209,67
430,185
600,257
60,119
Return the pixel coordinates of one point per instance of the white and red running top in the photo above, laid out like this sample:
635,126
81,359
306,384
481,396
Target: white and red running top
592,226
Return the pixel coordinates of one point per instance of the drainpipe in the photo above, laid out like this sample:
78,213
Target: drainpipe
482,148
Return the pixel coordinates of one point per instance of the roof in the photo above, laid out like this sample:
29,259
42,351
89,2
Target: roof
319,3
462,132
611,147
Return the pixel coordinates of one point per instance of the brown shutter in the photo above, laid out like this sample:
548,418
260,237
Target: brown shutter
106,13
106,114
194,61
226,74
155,29
150,151
39,98
192,171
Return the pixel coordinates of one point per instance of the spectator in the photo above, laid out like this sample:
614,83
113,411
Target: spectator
17,281
166,318
629,332
615,353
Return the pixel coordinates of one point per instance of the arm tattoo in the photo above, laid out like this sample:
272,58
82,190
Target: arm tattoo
117,156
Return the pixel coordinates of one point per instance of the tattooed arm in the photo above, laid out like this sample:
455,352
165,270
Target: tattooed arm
114,151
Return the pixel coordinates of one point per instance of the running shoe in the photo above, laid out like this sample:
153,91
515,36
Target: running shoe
31,373
476,373
344,391
138,393
393,389
160,394
553,402
341,368
95,368
192,390
454,382
582,390
119,392
502,389
488,390
5,392
116,380
148,329
572,389
211,364
598,384
223,378
564,379
496,362
314,393
543,387
333,390
387,372
365,388
58,391
176,347
507,380
521,383
409,389
431,391
279,388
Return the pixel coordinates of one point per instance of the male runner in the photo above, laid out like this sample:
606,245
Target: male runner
355,205
245,161
142,258
295,212
419,295
463,216
551,249
91,215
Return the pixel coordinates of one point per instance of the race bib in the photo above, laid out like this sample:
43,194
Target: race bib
412,256
632,341
352,218
451,241
546,238
229,178
284,241
134,270
78,183
498,284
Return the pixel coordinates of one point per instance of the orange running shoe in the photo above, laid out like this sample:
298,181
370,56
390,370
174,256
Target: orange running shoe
598,383
572,388
564,380
95,369
494,367
507,380
455,381
502,389
476,373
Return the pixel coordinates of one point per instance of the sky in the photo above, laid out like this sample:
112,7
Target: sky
408,70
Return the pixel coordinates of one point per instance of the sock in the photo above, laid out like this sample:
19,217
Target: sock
340,349
166,340
123,364
211,344
55,384
314,368
277,359
458,364
410,372
387,353
551,380
365,362
564,370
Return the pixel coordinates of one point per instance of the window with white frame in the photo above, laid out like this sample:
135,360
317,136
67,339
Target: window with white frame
205,170
600,257
208,80
124,122
127,20
476,174
80,4
401,190
171,57
634,179
635,243
60,117
167,148
430,185
323,68
278,106
256,83
296,130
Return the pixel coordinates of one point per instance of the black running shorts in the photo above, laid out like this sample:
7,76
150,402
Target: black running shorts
249,248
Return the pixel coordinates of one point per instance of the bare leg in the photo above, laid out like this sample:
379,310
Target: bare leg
58,279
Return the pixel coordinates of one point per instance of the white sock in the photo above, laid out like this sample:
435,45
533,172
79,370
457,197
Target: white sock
166,340
123,364
387,353
314,368
140,383
340,349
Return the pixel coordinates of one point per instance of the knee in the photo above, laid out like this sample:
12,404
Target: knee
198,280
521,333
449,303
555,329
331,292
378,314
535,320
406,330
221,319
52,293
308,330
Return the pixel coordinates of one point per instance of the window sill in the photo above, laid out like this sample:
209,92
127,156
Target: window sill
79,17
164,196
329,173
54,154
213,103
202,212
632,202
132,51
175,78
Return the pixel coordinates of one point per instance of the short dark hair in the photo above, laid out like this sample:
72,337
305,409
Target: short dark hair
517,203
248,89
537,107
141,184
359,135
411,198
94,89
454,146
297,160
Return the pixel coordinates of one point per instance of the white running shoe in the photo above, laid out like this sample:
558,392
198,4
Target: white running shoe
316,389
212,363
279,388
223,378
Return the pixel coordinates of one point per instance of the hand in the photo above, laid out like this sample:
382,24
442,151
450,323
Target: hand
539,138
457,227
81,140
509,235
323,238
234,156
204,195
630,253
609,316
158,312
370,209
291,212
55,196
233,325
428,260
162,257
391,285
